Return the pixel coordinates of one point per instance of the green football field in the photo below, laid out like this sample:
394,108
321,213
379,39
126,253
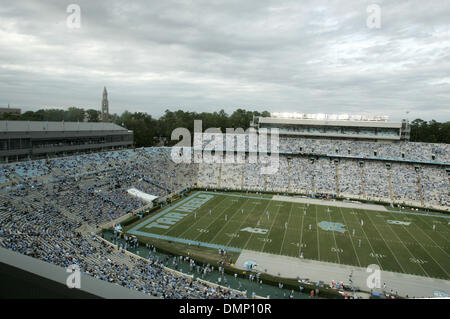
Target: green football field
396,241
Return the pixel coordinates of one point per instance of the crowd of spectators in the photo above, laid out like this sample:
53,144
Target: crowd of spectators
41,217
398,150
397,182
44,203
391,150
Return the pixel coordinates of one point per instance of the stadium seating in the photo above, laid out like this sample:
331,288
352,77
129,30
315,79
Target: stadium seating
43,203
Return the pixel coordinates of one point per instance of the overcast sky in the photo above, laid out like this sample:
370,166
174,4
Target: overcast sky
205,55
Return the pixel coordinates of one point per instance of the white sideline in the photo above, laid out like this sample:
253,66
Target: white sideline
291,267
329,203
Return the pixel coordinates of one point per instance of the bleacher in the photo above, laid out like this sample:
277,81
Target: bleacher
43,202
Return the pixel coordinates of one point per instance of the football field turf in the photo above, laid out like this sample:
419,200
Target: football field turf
396,241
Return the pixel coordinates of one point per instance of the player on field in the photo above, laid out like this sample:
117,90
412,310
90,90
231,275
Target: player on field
434,226
362,222
309,226
242,211
353,233
226,217
285,225
259,222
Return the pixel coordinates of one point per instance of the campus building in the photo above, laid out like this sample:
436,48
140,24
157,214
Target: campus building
25,140
8,109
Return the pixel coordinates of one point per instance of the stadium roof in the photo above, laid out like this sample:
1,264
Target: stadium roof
273,120
329,117
43,126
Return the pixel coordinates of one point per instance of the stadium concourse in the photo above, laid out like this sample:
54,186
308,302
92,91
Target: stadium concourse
44,203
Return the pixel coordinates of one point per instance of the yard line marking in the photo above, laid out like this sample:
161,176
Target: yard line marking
433,242
273,223
169,209
398,262
285,231
235,221
244,221
229,220
371,247
426,250
317,230
221,215
335,242
251,234
195,223
348,232
447,239
390,227
301,236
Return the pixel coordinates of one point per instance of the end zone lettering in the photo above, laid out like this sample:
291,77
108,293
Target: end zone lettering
178,213
247,308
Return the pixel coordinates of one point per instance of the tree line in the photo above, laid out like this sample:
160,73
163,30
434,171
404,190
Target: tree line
149,131
430,132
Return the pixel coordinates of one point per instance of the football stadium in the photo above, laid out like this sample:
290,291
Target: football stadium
342,200
224,157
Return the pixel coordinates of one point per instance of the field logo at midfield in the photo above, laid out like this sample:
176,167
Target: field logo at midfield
398,222
331,226
255,230
180,212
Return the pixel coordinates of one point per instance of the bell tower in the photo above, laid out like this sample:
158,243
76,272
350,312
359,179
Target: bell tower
105,106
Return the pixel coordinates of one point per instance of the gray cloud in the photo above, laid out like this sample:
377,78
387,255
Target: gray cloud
306,56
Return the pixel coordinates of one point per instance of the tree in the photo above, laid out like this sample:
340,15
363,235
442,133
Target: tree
93,115
74,114
148,130
430,132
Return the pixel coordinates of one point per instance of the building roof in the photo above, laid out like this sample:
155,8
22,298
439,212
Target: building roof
43,126
9,110
372,124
